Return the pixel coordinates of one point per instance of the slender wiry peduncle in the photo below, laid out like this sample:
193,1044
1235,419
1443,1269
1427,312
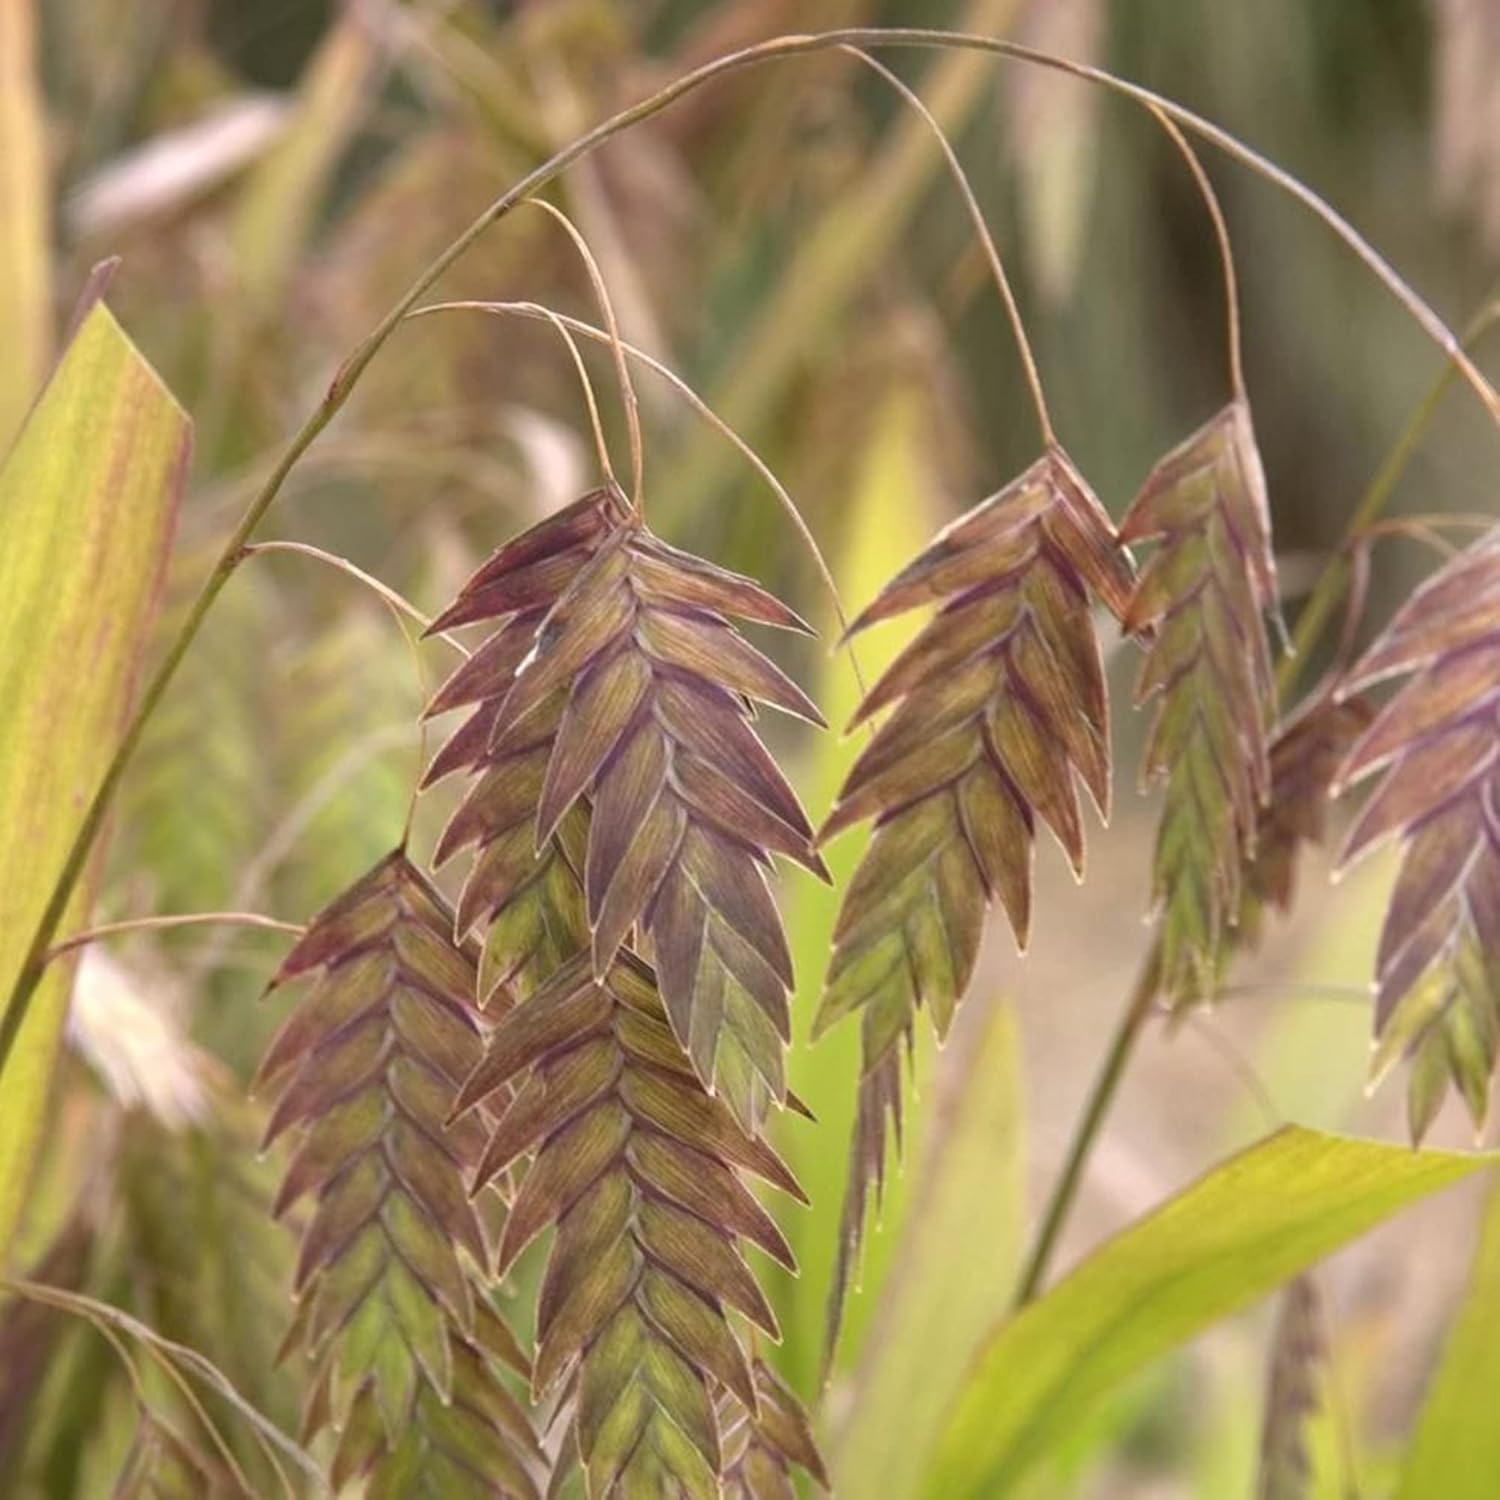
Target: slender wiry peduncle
986,240
348,374
1226,251
617,348
535,310
170,922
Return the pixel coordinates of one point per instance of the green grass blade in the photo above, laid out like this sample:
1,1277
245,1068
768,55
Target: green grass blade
1239,1231
1455,1451
954,1266
88,500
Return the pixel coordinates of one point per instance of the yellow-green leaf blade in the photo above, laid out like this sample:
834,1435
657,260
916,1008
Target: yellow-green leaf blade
1456,1450
1240,1230
88,499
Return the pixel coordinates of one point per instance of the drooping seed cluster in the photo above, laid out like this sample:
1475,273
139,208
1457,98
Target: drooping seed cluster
1437,743
623,804
996,710
392,1311
1199,606
640,1171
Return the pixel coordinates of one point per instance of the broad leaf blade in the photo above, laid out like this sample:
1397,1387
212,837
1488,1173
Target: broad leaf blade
1456,1450
953,1271
88,499
1244,1228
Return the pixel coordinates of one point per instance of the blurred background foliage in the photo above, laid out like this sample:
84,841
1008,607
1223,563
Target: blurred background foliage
275,173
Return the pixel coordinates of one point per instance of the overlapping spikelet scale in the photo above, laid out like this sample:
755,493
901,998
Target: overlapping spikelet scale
615,735
527,893
641,1173
993,715
1305,755
1437,743
1199,606
392,1315
762,1453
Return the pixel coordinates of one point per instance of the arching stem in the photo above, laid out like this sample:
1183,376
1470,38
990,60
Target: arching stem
982,233
169,923
1226,251
575,325
617,347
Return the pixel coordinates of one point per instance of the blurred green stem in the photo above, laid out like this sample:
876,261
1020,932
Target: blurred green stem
348,374
1312,621
1101,1096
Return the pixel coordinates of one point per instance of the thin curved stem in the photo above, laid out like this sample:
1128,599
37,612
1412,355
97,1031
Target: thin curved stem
1245,1071
1226,251
617,347
1138,1011
1315,615
170,922
1430,520
596,424
397,601
402,610
169,1354
348,374
789,506
982,232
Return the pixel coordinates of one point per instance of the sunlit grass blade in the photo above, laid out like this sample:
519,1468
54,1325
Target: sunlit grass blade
1236,1233
25,197
1455,1447
88,501
889,517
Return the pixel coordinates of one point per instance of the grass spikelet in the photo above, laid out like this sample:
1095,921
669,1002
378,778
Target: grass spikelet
1305,755
1437,744
1199,606
641,1172
631,696
395,1321
527,893
995,711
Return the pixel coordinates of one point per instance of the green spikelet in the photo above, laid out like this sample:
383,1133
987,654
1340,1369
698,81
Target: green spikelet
996,711
640,1170
1199,606
616,697
392,1317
